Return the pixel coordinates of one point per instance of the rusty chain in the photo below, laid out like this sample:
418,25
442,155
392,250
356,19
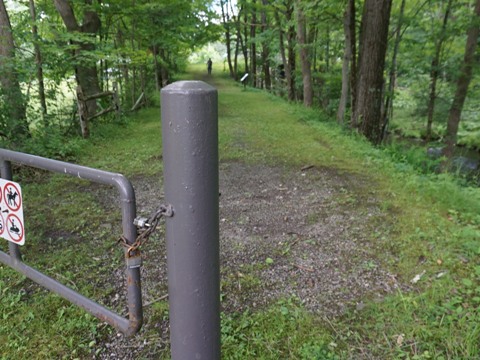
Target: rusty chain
146,227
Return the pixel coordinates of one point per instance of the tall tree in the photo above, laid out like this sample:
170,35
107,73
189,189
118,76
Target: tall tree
435,70
463,82
227,26
239,43
304,56
281,46
348,59
244,11
373,47
253,43
291,58
354,63
283,13
265,47
392,78
84,35
13,104
38,58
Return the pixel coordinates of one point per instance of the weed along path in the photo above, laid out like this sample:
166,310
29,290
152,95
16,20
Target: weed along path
305,239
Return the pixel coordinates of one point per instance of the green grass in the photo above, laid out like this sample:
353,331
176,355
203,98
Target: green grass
39,325
131,148
64,240
436,229
282,331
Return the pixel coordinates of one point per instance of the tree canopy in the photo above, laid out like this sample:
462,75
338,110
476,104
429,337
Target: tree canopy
82,59
415,52
67,53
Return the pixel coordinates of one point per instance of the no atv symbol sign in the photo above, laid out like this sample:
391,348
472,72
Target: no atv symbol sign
11,212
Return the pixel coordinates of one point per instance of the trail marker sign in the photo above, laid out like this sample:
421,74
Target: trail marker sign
11,212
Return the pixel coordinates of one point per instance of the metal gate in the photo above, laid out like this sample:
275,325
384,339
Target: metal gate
128,208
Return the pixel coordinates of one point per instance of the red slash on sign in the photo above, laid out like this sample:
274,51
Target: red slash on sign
15,228
13,199
11,212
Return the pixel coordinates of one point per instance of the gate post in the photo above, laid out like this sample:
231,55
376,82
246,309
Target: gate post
190,167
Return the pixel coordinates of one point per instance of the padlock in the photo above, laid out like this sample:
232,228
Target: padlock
134,262
141,222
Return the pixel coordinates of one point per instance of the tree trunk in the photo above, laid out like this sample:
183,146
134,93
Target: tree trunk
164,74
312,40
238,40
304,57
38,59
241,42
245,39
462,83
373,47
353,65
14,105
327,49
158,85
281,46
291,52
85,73
434,72
265,48
83,112
235,58
125,78
133,67
388,108
253,44
228,41
286,64
347,58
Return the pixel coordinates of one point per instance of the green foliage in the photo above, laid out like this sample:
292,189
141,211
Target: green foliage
215,51
282,331
31,319
439,323
52,142
328,87
131,34
406,155
410,112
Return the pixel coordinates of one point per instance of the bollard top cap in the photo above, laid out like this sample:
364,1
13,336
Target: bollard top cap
189,86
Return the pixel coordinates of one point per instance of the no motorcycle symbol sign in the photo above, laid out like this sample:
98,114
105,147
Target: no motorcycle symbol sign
11,212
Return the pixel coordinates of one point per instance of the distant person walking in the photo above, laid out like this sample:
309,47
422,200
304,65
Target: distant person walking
209,66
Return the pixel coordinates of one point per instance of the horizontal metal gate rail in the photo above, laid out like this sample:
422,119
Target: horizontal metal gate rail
127,196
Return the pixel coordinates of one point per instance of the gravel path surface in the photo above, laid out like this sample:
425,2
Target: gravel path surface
284,232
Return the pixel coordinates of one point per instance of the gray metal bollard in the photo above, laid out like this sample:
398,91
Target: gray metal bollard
190,157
